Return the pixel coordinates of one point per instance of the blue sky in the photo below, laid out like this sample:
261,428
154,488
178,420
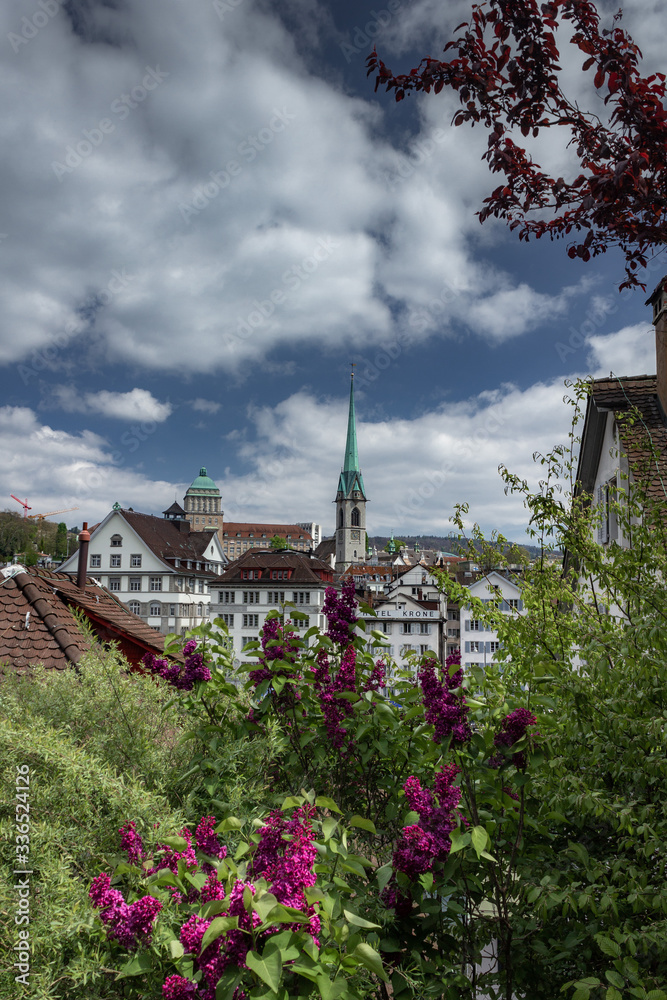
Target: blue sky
207,215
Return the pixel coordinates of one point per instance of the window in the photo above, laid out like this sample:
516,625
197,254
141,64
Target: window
225,597
114,583
356,519
407,628
200,586
116,541
301,597
455,633
114,561
135,560
425,628
251,597
156,583
385,627
228,620
134,607
135,583
155,610
248,638
172,610
250,574
475,625
476,647
251,621
95,562
276,597
200,610
280,574
453,616
513,603
608,523
494,647
424,649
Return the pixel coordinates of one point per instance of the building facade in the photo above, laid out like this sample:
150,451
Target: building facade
159,568
479,643
264,581
238,537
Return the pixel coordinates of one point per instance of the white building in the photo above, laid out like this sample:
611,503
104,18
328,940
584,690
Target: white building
263,581
158,567
479,642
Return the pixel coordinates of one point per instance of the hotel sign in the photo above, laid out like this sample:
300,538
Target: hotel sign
408,613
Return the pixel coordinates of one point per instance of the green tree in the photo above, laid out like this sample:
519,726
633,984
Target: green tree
278,542
61,541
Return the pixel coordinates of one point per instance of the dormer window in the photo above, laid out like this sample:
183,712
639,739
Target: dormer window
116,541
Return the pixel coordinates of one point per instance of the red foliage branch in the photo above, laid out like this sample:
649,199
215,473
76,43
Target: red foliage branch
508,78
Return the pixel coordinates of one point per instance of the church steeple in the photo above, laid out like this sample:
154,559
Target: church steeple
350,499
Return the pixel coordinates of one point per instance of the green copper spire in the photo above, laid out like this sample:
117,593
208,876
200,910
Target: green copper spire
350,477
351,463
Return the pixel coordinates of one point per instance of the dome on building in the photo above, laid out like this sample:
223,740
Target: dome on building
203,482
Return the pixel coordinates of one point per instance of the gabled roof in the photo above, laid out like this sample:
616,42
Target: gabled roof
305,570
644,440
37,624
166,540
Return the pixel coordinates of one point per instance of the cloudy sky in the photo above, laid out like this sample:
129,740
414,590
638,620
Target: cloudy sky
207,215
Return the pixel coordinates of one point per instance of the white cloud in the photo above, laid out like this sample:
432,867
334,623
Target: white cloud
630,351
205,406
137,404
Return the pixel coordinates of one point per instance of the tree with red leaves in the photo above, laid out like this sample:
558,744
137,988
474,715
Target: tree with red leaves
507,74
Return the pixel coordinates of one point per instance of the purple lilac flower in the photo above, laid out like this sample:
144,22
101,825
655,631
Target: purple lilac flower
445,710
377,676
131,843
170,857
328,688
424,844
513,728
130,925
182,677
178,988
284,650
207,838
340,612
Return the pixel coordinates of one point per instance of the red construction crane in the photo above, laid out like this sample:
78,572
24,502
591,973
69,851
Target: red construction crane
40,517
24,504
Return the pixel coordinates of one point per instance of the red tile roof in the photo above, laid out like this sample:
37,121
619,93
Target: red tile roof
244,529
167,541
304,569
37,624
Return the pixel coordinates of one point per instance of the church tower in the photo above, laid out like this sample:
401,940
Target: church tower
350,500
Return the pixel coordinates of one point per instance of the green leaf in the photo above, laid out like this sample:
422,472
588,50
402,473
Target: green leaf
362,824
323,802
231,823
370,959
216,928
176,949
329,990
383,876
137,966
608,946
291,802
357,921
268,967
613,994
328,827
459,840
176,843
615,978
479,839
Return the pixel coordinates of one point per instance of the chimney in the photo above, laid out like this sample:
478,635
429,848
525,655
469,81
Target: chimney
658,299
84,542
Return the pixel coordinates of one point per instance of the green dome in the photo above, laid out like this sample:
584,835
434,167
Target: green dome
203,482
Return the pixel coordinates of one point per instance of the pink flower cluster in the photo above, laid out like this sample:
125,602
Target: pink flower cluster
206,841
514,727
424,844
130,925
340,612
281,648
328,684
446,710
180,676
377,677
284,857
